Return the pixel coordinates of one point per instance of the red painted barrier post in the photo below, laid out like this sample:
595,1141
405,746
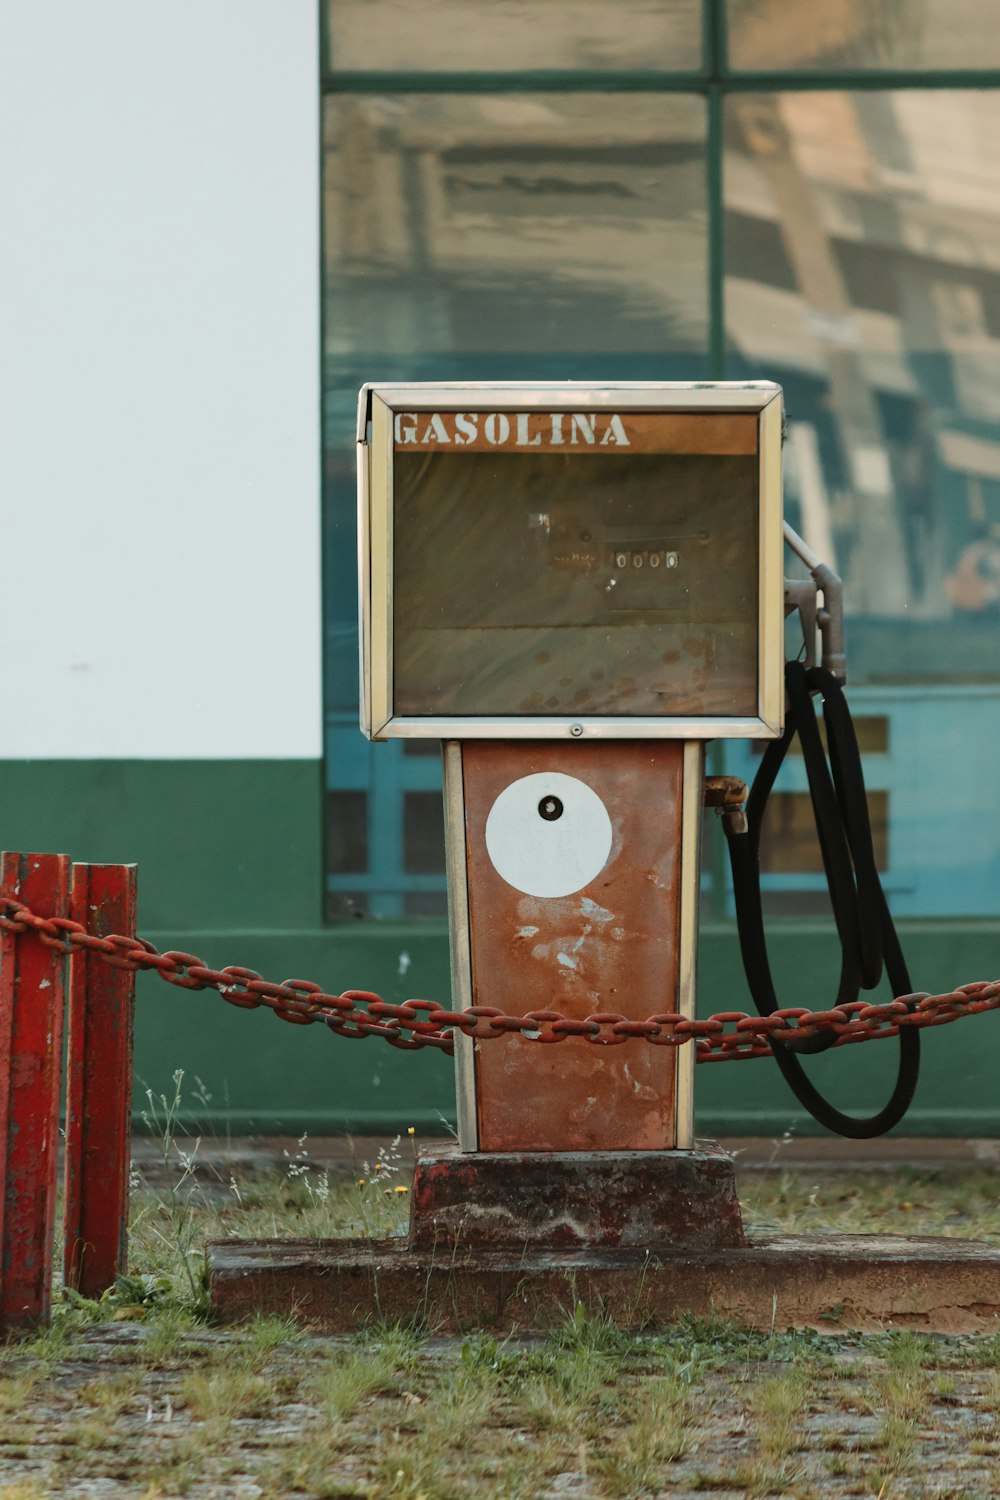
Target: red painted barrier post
99,1083
32,1002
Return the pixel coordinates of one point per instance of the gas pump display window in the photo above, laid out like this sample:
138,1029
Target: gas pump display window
560,566
562,585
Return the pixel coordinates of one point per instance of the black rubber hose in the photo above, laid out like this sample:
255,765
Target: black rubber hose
868,938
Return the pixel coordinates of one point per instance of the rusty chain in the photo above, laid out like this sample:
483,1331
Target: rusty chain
728,1036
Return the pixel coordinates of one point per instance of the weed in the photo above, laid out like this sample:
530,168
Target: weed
398,1342
87,1436
484,1358
900,1395
17,1436
777,1404
589,1332
751,1478
909,1353
174,1469
16,1390
111,1395
264,1334
168,1334
541,1405
134,1296
456,1406
224,1393
75,1311
170,1231
380,1200
49,1345
718,1341
408,1471
348,1377
659,1432
987,1351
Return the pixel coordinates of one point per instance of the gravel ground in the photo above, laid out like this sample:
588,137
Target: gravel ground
139,1396
155,1411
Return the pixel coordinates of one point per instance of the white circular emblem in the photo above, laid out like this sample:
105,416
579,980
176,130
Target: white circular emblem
548,834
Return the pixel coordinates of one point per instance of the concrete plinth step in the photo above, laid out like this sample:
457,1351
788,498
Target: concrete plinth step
855,1281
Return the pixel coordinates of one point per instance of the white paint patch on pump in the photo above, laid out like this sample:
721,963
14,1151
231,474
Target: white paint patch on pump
548,834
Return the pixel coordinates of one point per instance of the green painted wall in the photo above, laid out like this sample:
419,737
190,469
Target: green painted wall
230,868
220,844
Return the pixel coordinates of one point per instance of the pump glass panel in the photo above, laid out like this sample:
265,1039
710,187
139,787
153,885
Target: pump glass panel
575,563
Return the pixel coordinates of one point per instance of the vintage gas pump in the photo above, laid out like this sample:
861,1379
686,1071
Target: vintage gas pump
573,587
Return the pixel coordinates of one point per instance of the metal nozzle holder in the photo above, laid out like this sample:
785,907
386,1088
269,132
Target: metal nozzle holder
802,594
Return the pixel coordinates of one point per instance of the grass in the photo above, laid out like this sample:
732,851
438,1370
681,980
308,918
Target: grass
138,1397
349,1377
905,1202
703,1408
776,1402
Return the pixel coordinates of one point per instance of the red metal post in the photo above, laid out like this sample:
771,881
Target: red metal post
99,1084
32,1000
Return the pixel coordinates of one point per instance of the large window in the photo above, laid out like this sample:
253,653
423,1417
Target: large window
670,190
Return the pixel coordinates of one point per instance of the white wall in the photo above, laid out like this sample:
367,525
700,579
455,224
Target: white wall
159,379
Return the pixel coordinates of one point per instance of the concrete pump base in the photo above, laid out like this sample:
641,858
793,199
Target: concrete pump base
575,1200
854,1281
511,1242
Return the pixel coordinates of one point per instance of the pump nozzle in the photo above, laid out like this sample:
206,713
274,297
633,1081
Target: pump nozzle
830,615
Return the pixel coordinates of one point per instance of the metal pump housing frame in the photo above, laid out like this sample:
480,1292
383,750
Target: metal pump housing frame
377,407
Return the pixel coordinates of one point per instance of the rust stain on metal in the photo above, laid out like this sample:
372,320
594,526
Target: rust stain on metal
725,791
610,946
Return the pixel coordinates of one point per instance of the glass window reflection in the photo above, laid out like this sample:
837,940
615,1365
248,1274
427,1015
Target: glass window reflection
863,260
862,34
526,236
863,273
450,35
545,224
